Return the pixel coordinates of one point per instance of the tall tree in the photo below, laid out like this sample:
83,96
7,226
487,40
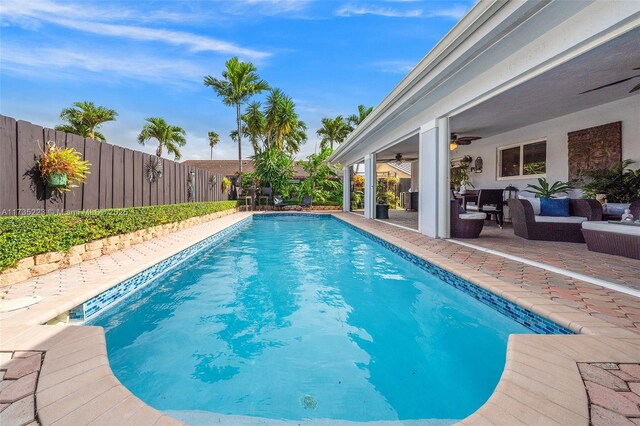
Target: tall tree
239,82
254,126
354,119
281,118
214,138
333,131
169,137
295,139
85,118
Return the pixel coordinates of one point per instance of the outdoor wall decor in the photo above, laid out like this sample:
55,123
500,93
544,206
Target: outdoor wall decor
153,169
594,148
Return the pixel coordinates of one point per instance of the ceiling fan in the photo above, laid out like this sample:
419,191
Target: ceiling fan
634,89
400,159
461,140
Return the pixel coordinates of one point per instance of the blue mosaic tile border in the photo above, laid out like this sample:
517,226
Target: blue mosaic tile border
93,306
531,320
267,216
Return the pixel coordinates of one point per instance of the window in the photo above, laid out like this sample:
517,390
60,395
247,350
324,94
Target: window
523,160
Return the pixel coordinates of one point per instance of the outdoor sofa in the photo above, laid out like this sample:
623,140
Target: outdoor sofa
529,224
611,238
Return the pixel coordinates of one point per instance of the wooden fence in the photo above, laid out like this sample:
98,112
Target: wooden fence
117,175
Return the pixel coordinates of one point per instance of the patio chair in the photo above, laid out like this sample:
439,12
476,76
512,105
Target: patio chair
491,202
465,225
306,201
278,202
265,195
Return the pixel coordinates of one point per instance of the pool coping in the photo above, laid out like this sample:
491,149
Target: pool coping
540,383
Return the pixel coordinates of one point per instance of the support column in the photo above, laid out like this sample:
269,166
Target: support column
444,175
428,178
346,189
433,161
370,186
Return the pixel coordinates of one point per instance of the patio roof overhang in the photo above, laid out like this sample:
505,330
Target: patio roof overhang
500,48
559,91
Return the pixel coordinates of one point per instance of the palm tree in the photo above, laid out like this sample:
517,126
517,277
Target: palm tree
85,118
238,84
333,130
254,126
214,138
281,118
295,139
167,136
355,119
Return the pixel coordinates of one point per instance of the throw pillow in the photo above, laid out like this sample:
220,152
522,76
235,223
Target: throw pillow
554,207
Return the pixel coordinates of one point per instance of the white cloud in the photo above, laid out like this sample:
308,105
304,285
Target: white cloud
87,19
455,12
393,66
267,7
193,42
351,10
100,65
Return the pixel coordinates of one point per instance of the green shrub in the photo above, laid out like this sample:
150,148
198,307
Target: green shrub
24,236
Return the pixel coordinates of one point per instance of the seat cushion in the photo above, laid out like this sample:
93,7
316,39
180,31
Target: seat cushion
560,219
558,207
468,216
611,227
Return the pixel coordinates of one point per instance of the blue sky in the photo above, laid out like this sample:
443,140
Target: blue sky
147,58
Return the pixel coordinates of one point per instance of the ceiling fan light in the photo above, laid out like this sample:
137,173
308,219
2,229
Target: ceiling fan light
453,146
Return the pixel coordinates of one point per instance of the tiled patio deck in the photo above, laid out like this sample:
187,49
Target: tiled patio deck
572,257
541,382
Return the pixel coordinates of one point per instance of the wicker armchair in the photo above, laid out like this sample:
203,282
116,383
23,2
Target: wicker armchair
466,225
526,226
619,240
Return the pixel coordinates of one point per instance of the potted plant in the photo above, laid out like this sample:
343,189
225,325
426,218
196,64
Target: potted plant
62,168
619,184
459,174
382,199
225,185
544,190
382,207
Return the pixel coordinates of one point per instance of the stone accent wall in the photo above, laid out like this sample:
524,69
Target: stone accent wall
595,148
48,262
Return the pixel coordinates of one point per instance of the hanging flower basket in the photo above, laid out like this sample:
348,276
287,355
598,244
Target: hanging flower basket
62,168
56,180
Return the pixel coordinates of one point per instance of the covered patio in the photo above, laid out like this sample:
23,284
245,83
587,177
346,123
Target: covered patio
513,111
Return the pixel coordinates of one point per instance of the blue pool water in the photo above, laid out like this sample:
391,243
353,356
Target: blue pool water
296,318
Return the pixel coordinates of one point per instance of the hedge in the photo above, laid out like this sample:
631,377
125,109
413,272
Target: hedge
24,236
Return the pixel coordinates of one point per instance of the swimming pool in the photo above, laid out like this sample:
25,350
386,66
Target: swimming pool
295,317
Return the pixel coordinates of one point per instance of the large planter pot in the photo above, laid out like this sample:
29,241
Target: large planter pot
382,211
57,180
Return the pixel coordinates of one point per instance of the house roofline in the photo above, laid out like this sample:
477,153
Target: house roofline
480,13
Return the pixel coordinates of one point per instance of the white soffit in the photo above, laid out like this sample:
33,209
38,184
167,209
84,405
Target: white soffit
558,91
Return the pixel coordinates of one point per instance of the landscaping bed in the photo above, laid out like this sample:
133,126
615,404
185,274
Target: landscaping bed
35,245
